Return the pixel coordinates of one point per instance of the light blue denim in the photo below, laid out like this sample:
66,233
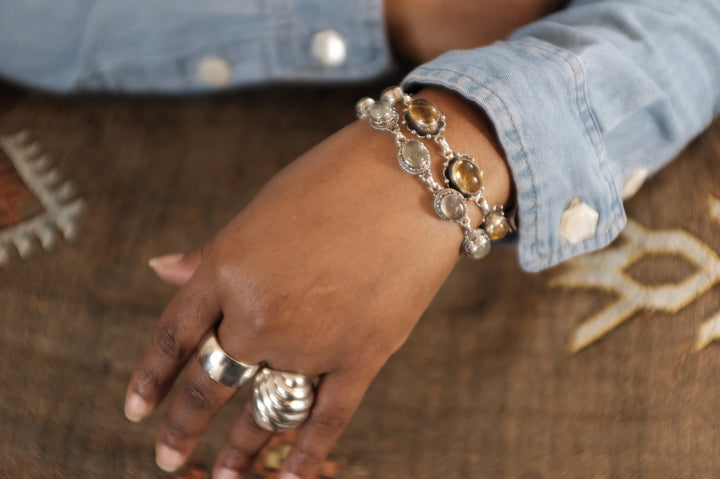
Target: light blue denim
156,45
580,100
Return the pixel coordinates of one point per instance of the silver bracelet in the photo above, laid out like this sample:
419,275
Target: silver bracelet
463,178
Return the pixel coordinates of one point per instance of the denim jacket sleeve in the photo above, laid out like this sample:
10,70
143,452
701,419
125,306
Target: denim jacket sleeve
185,45
586,103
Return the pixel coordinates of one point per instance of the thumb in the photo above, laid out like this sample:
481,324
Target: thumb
176,268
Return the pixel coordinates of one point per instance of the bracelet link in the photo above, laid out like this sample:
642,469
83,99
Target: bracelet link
463,178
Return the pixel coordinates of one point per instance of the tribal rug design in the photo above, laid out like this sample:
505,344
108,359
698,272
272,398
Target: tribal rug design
36,205
607,270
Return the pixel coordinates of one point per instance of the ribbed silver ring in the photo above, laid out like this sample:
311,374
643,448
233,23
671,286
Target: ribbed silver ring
281,400
221,367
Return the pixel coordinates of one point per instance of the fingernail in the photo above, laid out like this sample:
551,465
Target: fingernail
166,260
169,460
136,408
226,474
288,475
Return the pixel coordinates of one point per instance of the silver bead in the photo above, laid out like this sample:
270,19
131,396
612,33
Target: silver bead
382,115
496,225
476,244
380,111
414,157
392,95
449,205
361,107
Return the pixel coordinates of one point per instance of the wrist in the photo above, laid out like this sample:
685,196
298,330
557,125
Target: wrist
465,199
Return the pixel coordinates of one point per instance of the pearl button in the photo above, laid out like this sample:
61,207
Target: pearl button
329,47
634,182
578,222
214,71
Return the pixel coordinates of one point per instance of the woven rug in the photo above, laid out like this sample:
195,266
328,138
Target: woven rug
605,367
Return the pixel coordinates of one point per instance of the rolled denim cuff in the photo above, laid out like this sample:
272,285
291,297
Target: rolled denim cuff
534,94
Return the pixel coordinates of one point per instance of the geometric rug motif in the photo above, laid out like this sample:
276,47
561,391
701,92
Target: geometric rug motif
607,270
36,205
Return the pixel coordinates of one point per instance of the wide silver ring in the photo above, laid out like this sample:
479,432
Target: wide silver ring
221,367
281,400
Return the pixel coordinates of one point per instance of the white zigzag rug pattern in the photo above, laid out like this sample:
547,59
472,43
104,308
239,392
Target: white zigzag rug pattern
606,270
60,207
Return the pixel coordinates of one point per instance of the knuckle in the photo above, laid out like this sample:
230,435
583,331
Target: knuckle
169,344
237,457
196,397
148,383
226,273
176,435
258,316
270,309
260,320
329,422
306,457
237,451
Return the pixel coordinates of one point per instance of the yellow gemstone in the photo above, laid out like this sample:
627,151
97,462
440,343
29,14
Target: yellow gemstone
423,115
466,176
496,226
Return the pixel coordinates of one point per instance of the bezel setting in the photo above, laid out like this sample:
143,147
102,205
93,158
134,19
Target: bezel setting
452,182
382,115
406,165
445,195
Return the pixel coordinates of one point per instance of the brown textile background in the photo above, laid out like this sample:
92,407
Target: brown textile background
485,387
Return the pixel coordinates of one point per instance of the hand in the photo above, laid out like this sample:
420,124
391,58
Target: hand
325,274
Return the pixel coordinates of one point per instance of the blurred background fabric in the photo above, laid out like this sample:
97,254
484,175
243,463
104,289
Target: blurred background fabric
493,383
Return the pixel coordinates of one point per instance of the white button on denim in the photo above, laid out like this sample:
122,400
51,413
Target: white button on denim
634,182
214,71
329,47
578,222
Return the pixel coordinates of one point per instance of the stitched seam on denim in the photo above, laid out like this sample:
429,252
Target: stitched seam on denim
279,18
517,136
110,71
180,54
592,130
581,101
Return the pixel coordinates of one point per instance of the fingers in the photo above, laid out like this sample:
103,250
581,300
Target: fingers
196,402
337,400
244,441
190,314
177,268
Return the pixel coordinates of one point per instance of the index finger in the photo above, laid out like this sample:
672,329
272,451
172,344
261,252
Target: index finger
186,319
